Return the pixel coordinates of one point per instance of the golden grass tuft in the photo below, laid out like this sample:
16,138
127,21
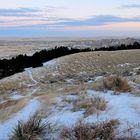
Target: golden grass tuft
116,83
34,129
90,104
85,131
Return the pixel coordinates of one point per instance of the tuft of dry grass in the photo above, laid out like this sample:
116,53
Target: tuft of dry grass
34,129
116,83
90,104
85,131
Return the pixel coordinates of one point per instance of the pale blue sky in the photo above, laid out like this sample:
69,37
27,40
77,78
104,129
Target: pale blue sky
70,17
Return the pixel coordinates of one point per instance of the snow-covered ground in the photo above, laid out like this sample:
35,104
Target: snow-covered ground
49,63
16,97
124,107
124,65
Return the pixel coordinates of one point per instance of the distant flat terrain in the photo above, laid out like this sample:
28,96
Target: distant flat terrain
14,46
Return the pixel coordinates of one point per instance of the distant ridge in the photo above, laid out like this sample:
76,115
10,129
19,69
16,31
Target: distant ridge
136,45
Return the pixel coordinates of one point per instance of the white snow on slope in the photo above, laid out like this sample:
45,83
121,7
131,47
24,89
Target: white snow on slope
49,63
52,65
98,78
16,97
34,90
67,118
29,71
119,106
124,107
23,115
124,65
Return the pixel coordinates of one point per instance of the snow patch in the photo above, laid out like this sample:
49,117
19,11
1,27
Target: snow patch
34,90
16,97
98,78
119,107
66,118
49,63
124,65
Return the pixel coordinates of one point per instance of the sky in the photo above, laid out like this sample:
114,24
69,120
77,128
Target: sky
70,18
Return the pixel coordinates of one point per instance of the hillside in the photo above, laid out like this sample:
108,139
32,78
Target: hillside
72,88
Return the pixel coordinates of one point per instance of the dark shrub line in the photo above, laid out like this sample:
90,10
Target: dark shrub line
17,64
136,45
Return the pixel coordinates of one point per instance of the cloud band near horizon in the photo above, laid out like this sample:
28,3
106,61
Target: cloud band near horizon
51,18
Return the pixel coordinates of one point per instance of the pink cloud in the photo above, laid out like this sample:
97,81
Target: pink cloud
125,26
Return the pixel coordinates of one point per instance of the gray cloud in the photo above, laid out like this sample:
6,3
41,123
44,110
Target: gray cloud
20,12
30,12
99,20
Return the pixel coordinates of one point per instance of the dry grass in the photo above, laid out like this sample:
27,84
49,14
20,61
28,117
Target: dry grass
19,82
138,72
115,83
135,92
80,88
9,85
12,107
98,86
106,130
33,129
67,100
22,103
90,104
127,138
7,104
48,99
72,89
94,131
91,63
